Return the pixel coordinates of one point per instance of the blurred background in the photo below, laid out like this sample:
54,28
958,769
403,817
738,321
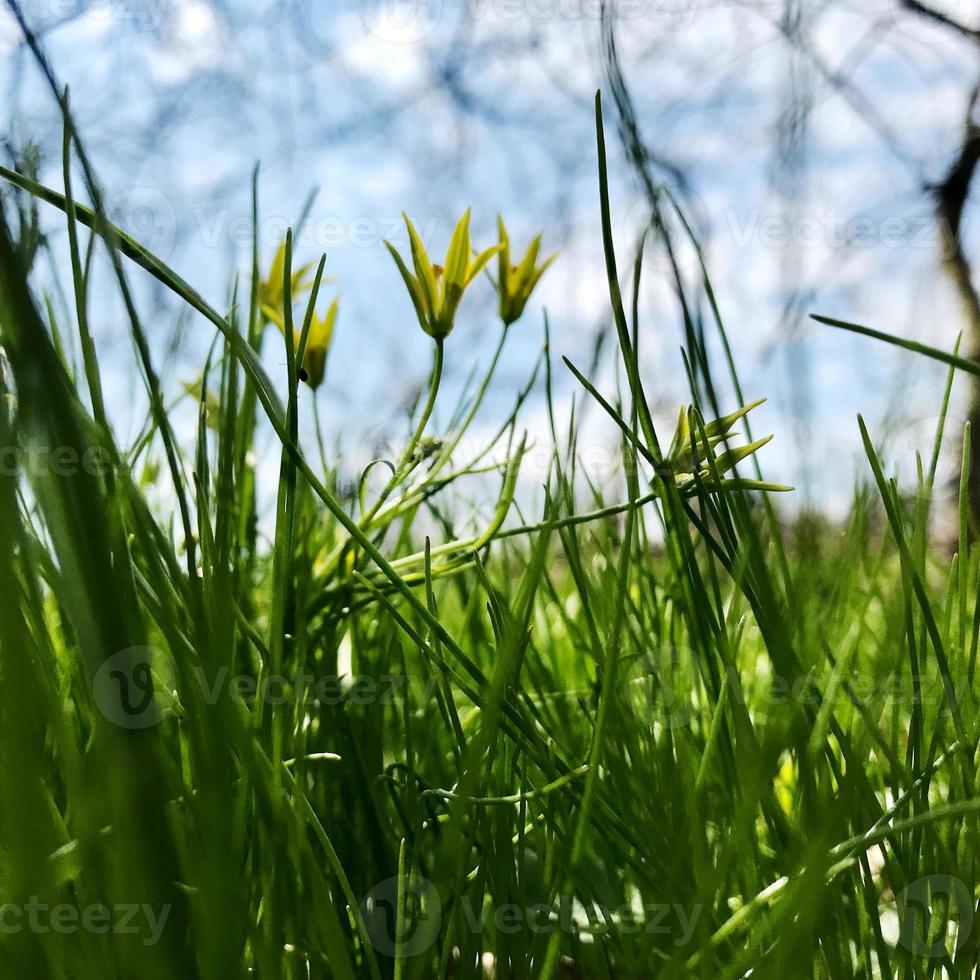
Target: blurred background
823,151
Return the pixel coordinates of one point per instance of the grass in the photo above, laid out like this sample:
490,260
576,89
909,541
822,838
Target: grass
662,733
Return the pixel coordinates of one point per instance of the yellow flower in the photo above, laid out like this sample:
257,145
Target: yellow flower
516,282
272,289
272,304
317,345
436,290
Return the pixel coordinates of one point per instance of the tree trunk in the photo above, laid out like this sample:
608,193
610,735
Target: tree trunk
951,196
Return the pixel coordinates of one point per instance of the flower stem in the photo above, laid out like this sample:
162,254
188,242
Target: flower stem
405,463
447,452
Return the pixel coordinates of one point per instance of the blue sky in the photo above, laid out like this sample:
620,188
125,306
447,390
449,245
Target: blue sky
431,107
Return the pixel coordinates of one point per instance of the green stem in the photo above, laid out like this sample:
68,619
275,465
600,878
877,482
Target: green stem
405,463
321,447
413,443
445,455
447,452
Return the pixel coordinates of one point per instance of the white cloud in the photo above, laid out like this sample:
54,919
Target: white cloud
9,31
377,50
191,41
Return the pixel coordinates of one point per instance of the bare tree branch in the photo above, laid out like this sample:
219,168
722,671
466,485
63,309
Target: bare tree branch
938,17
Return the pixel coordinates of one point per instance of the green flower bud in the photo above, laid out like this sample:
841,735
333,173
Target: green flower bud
515,283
